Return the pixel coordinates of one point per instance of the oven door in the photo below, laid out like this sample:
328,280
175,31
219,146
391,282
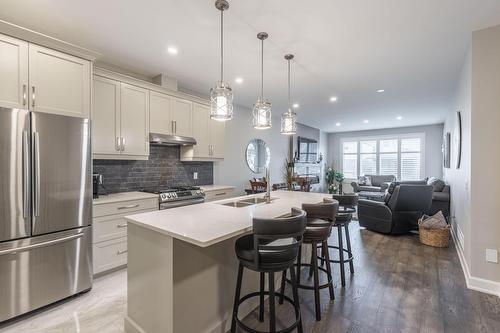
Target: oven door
180,203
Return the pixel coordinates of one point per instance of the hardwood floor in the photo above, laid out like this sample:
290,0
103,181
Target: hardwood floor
399,286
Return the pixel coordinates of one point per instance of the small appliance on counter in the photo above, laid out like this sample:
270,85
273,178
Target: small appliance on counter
96,181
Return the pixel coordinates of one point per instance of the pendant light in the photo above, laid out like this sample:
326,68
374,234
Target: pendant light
262,109
221,96
289,118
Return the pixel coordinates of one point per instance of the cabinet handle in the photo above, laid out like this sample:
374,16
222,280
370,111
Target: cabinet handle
24,94
172,125
129,206
123,225
223,193
175,126
33,96
121,252
117,146
123,144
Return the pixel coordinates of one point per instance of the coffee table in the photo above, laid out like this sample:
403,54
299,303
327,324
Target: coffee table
375,196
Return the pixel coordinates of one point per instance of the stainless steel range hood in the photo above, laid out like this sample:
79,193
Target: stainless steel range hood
170,140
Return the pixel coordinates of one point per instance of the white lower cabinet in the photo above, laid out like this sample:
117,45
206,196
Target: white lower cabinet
110,231
212,195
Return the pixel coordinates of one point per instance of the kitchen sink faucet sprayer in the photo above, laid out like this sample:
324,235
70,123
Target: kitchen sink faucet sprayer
267,196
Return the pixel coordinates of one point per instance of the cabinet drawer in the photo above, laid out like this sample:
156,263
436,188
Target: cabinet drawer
110,254
125,207
219,194
111,226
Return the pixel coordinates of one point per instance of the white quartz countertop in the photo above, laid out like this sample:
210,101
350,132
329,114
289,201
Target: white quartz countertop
209,223
208,188
123,196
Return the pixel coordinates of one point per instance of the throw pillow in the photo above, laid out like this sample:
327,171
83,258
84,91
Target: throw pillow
436,221
437,184
361,180
368,181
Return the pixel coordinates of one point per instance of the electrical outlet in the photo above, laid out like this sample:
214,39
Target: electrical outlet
195,175
492,256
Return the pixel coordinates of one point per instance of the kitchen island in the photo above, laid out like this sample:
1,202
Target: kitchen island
182,267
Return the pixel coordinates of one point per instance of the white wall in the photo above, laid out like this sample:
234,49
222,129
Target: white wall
433,143
239,131
474,187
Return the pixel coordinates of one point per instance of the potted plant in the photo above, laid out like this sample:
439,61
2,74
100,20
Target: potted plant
330,180
287,173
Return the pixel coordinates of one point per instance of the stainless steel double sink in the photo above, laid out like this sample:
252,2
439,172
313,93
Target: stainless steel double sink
245,202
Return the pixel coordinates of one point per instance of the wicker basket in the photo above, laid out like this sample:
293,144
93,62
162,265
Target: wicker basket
434,237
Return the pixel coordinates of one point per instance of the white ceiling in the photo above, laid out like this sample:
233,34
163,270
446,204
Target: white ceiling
414,49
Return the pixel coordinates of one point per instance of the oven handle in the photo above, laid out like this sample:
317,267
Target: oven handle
180,203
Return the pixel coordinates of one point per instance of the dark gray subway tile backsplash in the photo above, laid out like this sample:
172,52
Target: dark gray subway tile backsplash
163,168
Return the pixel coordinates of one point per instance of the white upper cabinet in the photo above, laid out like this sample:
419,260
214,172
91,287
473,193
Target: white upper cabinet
201,115
36,78
217,138
134,120
160,106
106,116
59,83
209,135
13,73
181,117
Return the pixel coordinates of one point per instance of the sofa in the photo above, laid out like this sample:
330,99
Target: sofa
400,212
379,183
440,194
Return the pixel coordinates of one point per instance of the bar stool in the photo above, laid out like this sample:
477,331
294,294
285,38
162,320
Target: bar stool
319,225
273,247
343,218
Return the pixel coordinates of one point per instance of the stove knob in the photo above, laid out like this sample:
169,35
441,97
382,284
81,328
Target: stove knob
162,196
174,195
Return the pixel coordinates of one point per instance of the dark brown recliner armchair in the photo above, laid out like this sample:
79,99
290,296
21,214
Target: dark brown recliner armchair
400,213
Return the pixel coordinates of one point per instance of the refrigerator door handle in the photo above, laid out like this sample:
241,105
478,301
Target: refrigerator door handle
42,244
36,145
25,174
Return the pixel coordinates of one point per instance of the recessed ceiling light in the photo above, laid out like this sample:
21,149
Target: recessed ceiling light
333,99
238,80
380,91
366,121
337,124
172,50
295,105
399,117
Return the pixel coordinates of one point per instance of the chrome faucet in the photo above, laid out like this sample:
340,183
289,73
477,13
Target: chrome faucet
267,196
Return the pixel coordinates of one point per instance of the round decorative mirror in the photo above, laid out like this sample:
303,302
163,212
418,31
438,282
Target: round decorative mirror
257,155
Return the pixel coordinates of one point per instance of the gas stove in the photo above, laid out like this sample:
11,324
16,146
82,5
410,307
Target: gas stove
171,197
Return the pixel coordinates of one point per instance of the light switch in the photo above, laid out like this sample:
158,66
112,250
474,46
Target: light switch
492,256
195,175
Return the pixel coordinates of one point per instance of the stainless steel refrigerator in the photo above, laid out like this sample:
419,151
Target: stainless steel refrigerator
45,209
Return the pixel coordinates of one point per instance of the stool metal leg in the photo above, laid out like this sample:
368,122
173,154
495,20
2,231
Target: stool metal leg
237,298
261,305
272,311
349,251
341,255
299,260
295,291
282,289
311,266
316,280
324,248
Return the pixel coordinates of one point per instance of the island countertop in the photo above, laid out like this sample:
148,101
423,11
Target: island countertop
212,222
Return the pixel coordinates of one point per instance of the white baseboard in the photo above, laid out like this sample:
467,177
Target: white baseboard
474,283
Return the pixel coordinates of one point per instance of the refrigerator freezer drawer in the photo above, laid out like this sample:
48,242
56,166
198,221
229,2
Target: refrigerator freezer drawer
37,271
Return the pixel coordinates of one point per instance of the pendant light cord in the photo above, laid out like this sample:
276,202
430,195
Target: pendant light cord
262,71
222,45
289,99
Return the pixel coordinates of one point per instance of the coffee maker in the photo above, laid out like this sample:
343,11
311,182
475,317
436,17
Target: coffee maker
96,181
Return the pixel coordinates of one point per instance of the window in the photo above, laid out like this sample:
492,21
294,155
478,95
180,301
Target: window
400,155
350,160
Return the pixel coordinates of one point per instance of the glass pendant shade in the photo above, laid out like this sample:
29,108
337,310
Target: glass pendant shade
221,102
262,114
289,123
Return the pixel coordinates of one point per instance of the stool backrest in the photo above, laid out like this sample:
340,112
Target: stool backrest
281,235
324,211
346,200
